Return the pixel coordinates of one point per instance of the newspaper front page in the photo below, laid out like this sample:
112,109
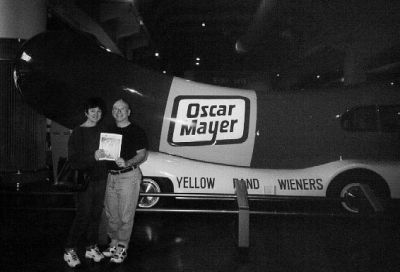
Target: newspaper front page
111,144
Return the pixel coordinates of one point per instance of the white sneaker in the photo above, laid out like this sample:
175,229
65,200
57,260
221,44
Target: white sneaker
110,251
120,255
71,257
94,253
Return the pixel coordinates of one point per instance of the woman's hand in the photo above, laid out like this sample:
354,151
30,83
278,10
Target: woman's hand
99,154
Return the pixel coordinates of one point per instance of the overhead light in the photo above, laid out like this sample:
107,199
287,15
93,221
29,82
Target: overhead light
239,47
26,57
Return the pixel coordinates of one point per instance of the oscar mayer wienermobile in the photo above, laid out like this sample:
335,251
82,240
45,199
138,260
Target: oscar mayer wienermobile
203,137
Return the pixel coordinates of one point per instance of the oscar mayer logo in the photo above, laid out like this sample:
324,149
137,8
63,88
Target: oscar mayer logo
209,120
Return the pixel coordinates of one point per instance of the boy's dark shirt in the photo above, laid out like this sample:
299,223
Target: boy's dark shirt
133,139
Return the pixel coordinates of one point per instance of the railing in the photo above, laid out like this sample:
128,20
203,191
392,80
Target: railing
242,210
242,205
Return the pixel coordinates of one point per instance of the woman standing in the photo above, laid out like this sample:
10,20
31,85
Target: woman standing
82,144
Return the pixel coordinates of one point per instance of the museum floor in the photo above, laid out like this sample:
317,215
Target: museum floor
33,231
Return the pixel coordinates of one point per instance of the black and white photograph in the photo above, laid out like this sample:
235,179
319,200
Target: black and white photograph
200,135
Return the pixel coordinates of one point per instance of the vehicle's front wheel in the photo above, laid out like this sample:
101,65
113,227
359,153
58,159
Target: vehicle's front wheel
154,185
149,186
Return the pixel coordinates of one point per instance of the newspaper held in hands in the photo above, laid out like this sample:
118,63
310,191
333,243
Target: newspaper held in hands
111,144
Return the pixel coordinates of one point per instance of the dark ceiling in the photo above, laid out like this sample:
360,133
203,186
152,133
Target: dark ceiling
185,30
287,42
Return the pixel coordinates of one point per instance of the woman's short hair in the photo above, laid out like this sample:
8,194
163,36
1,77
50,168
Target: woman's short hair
94,102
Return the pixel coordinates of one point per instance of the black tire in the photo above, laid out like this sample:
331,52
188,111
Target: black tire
154,185
347,187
